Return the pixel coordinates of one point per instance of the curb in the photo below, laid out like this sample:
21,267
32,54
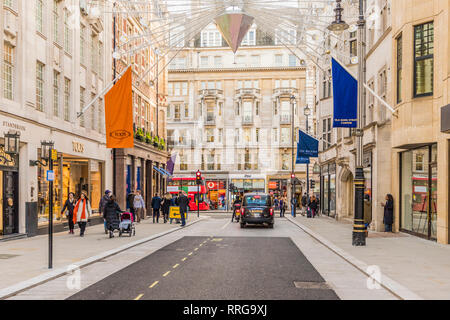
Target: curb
391,285
52,275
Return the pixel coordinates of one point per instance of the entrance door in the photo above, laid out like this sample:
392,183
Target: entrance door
10,205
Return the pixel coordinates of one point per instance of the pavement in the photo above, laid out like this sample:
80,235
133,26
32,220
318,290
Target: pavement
406,262
27,258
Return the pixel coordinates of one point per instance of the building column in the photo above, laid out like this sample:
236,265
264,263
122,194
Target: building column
443,191
121,178
149,183
158,178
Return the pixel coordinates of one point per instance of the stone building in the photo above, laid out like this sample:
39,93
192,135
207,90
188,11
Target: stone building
230,116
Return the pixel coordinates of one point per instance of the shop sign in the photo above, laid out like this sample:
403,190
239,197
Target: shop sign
212,185
14,126
420,189
77,147
273,185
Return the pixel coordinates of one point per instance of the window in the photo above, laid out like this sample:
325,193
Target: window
101,115
218,61
370,104
186,110
82,43
40,86
177,112
353,48
67,32
247,112
257,108
39,16
204,62
9,3
382,86
238,109
275,108
55,21
66,99
82,90
278,59
249,39
177,89
399,68
247,164
256,60
184,86
326,85
55,93
220,135
285,161
285,135
326,133
211,39
92,112
257,135
419,162
247,135
423,59
8,71
237,136
275,135
211,161
240,60
183,164
209,135
292,60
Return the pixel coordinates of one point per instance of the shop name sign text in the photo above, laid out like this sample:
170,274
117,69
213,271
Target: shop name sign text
77,147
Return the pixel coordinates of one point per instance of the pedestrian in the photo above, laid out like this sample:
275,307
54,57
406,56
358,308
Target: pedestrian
313,206
103,201
305,202
165,206
183,202
388,218
130,201
156,205
367,213
82,212
281,207
139,206
69,205
276,202
111,214
237,203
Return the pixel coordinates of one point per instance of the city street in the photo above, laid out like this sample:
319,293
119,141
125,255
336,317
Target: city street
216,259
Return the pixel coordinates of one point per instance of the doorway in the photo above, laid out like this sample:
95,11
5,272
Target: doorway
9,222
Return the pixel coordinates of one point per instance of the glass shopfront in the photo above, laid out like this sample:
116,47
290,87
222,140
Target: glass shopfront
217,193
250,185
72,174
328,189
278,187
419,191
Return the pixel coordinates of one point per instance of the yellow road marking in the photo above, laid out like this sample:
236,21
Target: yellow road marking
201,244
217,240
139,297
154,284
184,259
190,253
166,274
195,249
175,266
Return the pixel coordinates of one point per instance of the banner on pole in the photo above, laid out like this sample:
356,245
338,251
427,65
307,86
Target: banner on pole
307,146
345,96
119,113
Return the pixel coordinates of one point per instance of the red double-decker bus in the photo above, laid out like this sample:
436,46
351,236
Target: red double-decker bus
188,185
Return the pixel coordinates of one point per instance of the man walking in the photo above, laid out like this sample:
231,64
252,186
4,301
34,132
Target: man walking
182,202
139,206
156,205
130,201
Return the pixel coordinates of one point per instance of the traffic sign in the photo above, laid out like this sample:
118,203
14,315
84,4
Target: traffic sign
50,175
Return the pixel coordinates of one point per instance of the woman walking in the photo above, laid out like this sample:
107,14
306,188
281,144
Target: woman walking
166,204
313,206
82,212
111,214
282,206
388,218
69,205
139,206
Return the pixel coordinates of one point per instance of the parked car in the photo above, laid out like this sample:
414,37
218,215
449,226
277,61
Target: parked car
257,208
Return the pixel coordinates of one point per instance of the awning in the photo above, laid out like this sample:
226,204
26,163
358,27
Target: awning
165,172
159,170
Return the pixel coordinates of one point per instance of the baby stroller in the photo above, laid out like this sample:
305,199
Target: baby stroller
127,224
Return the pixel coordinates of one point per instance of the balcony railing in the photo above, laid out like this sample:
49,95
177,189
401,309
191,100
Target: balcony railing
285,119
248,92
285,91
247,119
210,92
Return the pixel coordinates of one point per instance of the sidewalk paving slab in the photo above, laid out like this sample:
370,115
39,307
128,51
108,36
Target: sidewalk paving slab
29,266
411,267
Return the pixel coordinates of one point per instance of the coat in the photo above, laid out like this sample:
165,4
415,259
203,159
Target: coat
103,201
130,200
166,204
388,213
183,202
111,215
70,206
313,205
82,211
156,203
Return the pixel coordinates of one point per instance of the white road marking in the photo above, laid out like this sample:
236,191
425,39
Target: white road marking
226,225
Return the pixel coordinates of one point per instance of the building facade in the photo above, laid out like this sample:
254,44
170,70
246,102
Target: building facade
55,61
420,147
338,145
138,168
233,116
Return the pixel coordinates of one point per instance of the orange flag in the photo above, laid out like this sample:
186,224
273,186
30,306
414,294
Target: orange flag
119,114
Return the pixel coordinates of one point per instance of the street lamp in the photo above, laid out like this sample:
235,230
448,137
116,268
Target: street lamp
338,25
11,147
46,147
307,113
293,100
359,236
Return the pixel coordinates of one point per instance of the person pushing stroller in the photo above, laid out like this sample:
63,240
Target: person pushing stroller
111,214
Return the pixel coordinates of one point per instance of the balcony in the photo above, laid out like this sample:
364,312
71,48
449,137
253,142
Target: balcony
247,120
248,92
210,120
285,119
285,92
210,93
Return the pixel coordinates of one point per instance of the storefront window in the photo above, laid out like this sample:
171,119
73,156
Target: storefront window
332,195
217,193
418,186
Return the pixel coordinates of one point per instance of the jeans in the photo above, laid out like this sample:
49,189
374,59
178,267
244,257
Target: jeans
156,214
183,220
82,226
388,227
70,218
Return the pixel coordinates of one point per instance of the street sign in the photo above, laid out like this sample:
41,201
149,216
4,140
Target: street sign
50,175
54,155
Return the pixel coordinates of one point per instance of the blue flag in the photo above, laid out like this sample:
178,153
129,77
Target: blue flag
307,146
345,96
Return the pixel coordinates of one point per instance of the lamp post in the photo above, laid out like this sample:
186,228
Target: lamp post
307,113
292,156
11,147
359,236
